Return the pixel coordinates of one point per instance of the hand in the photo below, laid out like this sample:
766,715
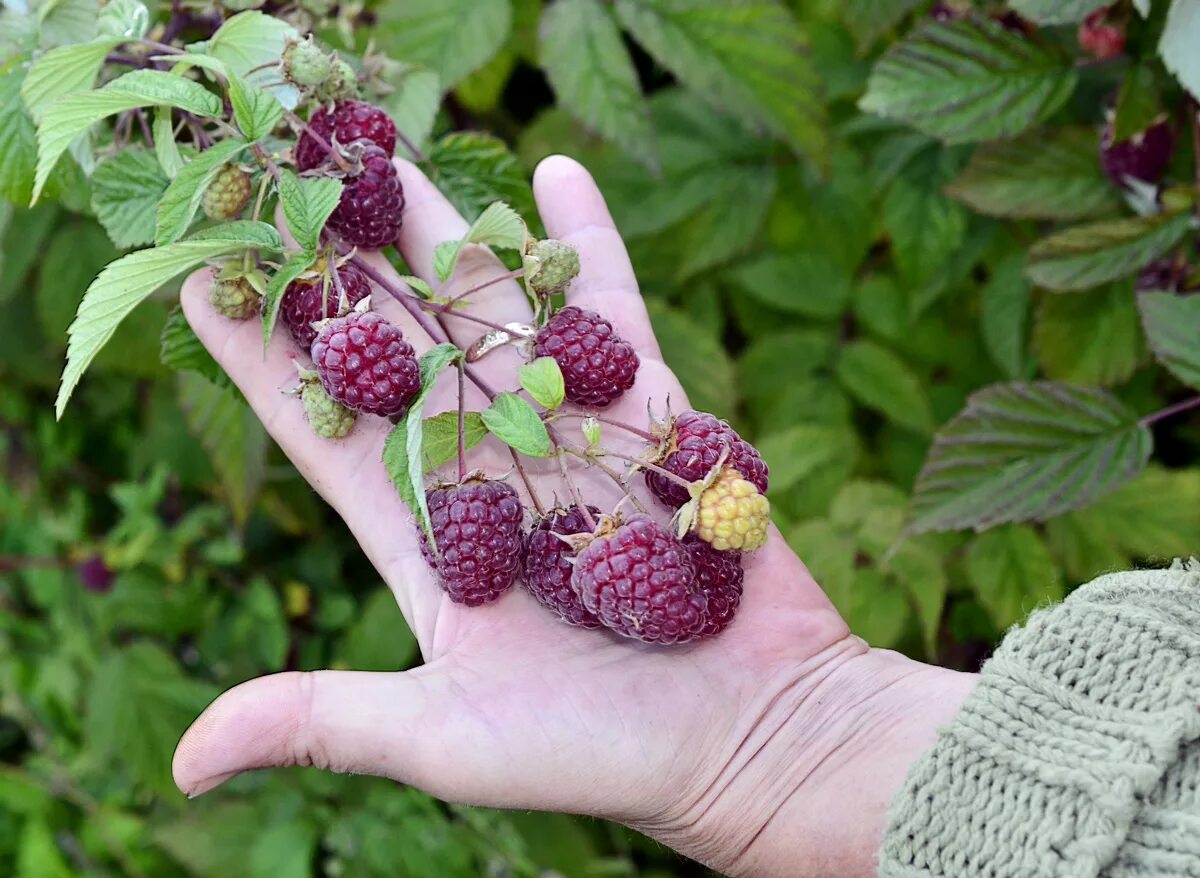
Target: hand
772,748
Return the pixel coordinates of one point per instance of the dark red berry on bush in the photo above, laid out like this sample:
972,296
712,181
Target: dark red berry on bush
550,561
366,365
597,364
1144,156
692,449
347,122
719,575
477,526
1100,38
641,583
301,304
371,209
95,576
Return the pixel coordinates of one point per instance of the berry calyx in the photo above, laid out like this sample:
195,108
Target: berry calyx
549,265
1099,37
719,575
371,208
1144,156
692,446
328,418
550,562
597,364
480,543
227,195
313,297
347,122
730,513
304,64
640,582
366,365
236,294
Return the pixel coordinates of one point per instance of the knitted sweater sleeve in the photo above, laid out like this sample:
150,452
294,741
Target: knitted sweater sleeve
1078,755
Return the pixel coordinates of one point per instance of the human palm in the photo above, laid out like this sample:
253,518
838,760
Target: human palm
742,750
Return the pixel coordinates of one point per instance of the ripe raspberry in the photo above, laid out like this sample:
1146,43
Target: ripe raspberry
477,526
95,576
549,265
328,418
227,195
371,209
347,122
549,563
640,582
692,449
1144,156
303,63
597,364
234,297
366,365
731,514
719,575
301,304
1099,38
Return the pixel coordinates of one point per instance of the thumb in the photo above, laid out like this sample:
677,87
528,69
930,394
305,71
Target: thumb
345,721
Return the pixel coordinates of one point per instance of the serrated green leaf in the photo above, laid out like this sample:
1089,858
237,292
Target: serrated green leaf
1055,11
1004,315
451,37
166,150
18,137
806,283
1090,255
514,422
1172,325
498,226
439,442
296,265
256,111
445,255
1043,175
474,170
969,79
127,19
593,76
703,365
882,381
543,380
251,233
918,565
748,57
72,115
253,41
868,20
1011,572
797,452
181,350
414,103
126,190
1091,338
307,204
67,21
926,228
63,71
1026,452
418,286
182,198
1177,46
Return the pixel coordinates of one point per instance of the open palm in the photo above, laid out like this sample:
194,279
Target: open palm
716,747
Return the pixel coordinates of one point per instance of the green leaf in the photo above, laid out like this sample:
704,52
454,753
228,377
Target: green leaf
418,286
63,71
1089,339
498,226
165,147
284,849
1090,255
253,41
414,103
1172,325
307,204
72,115
451,37
919,567
1011,572
882,381
125,283
747,57
379,639
475,170
925,227
67,21
543,380
968,80
439,442
1042,175
182,351
697,357
127,19
37,854
514,422
1026,452
593,76
1138,103
257,112
1004,315
1177,46
231,434
868,20
1055,11
296,265
797,452
126,190
18,137
181,200
828,553
809,284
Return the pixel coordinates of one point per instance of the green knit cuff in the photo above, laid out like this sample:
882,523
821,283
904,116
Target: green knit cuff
1076,755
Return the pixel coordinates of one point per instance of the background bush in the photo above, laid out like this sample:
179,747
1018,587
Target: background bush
847,218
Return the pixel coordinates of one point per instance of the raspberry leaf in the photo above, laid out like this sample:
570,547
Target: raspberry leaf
126,191
295,266
307,204
591,431
498,226
181,350
1055,11
256,111
414,104
514,422
1011,572
1172,325
452,37
18,138
1004,316
882,381
807,283
1026,451
543,380
868,20
473,170
165,147
418,286
251,40
127,19
439,442
1089,339
63,71
182,198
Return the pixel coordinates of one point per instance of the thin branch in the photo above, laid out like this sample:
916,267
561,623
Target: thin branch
621,425
1169,411
574,489
511,275
462,422
410,146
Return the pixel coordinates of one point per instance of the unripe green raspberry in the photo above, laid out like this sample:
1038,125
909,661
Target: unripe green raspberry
731,514
549,265
227,195
328,418
304,64
234,297
341,83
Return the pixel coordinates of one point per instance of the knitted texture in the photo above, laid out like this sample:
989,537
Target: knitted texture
1078,754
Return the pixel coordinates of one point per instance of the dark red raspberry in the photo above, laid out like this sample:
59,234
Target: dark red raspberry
597,364
549,563
371,209
95,575
719,575
1099,37
301,305
366,365
477,526
349,121
1144,156
641,583
693,449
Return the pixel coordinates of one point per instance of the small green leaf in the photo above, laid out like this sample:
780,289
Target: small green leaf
1011,572
1090,255
881,380
474,170
543,380
1138,103
797,452
296,265
439,443
514,422
18,137
257,112
126,190
591,431
1172,324
127,19
307,203
182,198
445,254
926,228
182,351
498,226
452,37
418,286
1055,11
806,283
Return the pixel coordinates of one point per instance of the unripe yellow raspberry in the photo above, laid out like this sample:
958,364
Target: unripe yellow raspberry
731,513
